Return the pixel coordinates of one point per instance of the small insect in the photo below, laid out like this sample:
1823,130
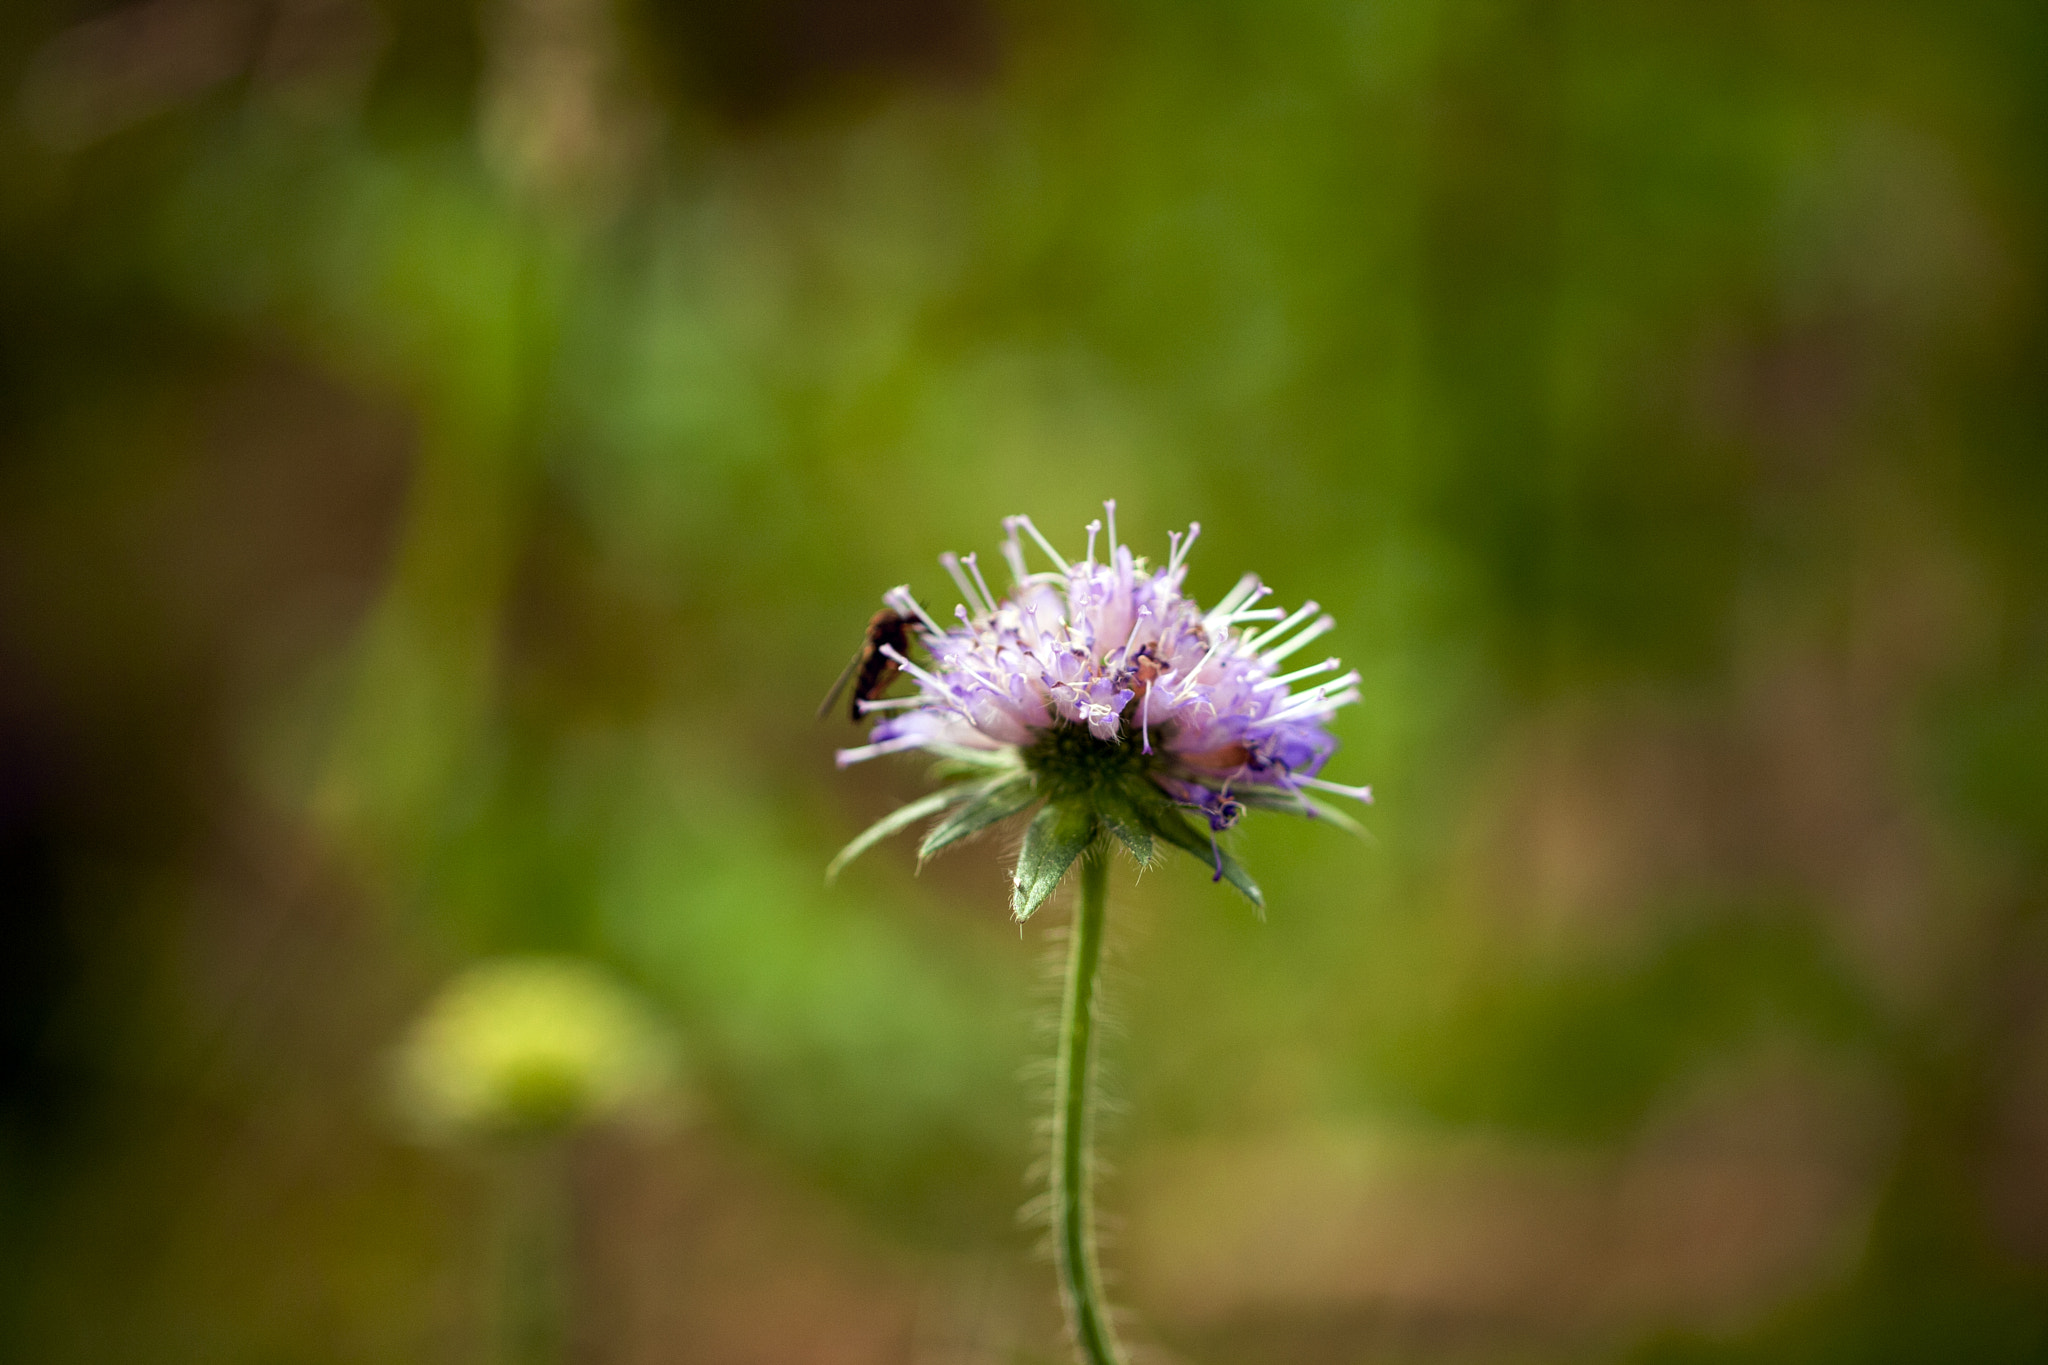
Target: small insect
871,671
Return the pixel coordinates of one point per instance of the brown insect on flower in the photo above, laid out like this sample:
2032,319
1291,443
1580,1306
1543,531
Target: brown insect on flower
871,670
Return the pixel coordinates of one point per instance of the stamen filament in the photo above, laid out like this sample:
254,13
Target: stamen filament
1322,626
974,567
890,703
1066,570
1013,554
1289,679
890,651
1239,595
1314,706
1181,693
846,758
1315,694
952,563
1356,793
1259,641
900,597
1124,655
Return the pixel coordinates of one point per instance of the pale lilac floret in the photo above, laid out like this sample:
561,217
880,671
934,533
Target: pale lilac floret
1113,644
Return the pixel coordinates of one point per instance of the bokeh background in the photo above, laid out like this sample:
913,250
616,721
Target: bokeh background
446,450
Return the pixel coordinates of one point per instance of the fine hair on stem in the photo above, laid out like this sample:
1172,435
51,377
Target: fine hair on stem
1073,1123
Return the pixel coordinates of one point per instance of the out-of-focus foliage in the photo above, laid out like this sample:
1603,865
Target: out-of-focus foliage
446,452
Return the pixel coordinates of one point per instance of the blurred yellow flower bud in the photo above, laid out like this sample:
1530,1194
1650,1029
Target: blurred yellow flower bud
526,1046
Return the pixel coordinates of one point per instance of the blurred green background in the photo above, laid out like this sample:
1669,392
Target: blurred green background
447,450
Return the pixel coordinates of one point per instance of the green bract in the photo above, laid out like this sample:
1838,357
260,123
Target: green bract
1083,787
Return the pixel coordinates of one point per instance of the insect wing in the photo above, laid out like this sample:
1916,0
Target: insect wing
845,677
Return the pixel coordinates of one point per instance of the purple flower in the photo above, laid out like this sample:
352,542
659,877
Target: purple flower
1115,647
1097,693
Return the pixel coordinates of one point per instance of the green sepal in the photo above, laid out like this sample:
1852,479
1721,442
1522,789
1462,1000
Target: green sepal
1057,836
1170,825
1299,803
997,801
956,761
900,818
1123,811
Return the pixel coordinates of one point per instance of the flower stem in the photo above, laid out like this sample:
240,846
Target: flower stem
531,1254
1073,1123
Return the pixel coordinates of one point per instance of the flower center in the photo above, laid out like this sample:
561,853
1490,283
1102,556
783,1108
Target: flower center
1070,762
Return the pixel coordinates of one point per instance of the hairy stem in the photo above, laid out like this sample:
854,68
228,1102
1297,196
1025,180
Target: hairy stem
1073,1122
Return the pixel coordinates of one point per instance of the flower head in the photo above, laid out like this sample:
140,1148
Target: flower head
1099,683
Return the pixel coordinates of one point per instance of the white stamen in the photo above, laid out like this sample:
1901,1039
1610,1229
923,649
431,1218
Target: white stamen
890,651
900,594
1196,672
1013,553
1045,545
846,758
1322,626
1308,705
890,703
1094,527
1245,592
1182,546
1249,609
1320,692
974,567
1143,612
1258,642
1109,506
967,666
1288,679
952,563
1357,793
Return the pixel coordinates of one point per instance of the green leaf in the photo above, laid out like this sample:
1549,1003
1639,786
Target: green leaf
957,761
1265,798
1056,837
1341,819
1170,825
900,818
996,802
1301,804
1124,812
